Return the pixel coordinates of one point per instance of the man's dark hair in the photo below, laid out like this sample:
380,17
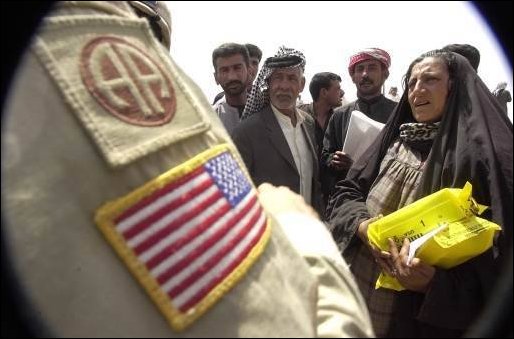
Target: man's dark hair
469,52
229,49
254,51
321,80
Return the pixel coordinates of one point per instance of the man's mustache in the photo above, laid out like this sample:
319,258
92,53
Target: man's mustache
235,82
366,82
289,95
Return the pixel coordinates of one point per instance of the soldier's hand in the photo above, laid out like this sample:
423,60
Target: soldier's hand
281,199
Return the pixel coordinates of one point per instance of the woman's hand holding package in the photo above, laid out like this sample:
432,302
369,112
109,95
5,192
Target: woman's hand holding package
415,276
382,258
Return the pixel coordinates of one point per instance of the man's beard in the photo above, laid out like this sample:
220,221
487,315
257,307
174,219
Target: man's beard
230,89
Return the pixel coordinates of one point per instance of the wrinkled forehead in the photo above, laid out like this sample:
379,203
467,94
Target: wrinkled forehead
230,59
287,71
431,64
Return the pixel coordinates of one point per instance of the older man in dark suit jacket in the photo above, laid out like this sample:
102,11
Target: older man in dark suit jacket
275,139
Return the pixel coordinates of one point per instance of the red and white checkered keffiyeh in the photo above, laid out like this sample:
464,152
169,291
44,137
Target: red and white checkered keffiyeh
369,54
259,96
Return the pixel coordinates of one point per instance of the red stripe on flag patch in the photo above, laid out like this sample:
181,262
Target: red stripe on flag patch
205,246
201,294
190,234
148,200
179,221
212,261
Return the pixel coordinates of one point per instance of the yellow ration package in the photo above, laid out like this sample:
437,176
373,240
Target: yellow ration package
458,234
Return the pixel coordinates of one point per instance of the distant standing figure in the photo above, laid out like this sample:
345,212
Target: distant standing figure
502,95
255,54
255,59
393,94
468,51
231,63
325,89
275,139
344,101
369,70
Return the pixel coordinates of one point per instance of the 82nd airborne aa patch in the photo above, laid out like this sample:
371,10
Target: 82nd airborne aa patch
127,82
122,86
190,234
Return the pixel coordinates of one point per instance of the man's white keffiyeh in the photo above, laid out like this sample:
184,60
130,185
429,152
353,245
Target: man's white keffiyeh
259,96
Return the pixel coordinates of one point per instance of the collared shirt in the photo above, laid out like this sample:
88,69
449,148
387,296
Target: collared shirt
299,147
229,115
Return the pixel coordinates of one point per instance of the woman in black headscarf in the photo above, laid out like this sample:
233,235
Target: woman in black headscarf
447,129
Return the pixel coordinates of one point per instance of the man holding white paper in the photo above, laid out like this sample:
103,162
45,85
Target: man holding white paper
361,132
369,70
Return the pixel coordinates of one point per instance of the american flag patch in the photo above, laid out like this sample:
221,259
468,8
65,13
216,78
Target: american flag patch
189,235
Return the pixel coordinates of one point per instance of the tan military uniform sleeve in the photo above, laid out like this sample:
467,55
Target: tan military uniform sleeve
108,151
342,311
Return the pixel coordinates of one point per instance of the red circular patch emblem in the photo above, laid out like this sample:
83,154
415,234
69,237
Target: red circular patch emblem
127,82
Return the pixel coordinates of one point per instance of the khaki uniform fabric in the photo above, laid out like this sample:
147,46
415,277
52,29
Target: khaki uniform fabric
74,141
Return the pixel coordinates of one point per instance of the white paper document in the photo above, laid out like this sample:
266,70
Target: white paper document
416,244
362,131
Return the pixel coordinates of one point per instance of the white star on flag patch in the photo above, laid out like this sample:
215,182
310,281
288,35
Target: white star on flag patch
189,235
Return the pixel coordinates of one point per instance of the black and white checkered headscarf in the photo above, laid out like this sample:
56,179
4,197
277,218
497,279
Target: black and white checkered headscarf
259,95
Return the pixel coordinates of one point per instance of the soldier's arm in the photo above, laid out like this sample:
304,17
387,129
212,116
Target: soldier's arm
341,310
